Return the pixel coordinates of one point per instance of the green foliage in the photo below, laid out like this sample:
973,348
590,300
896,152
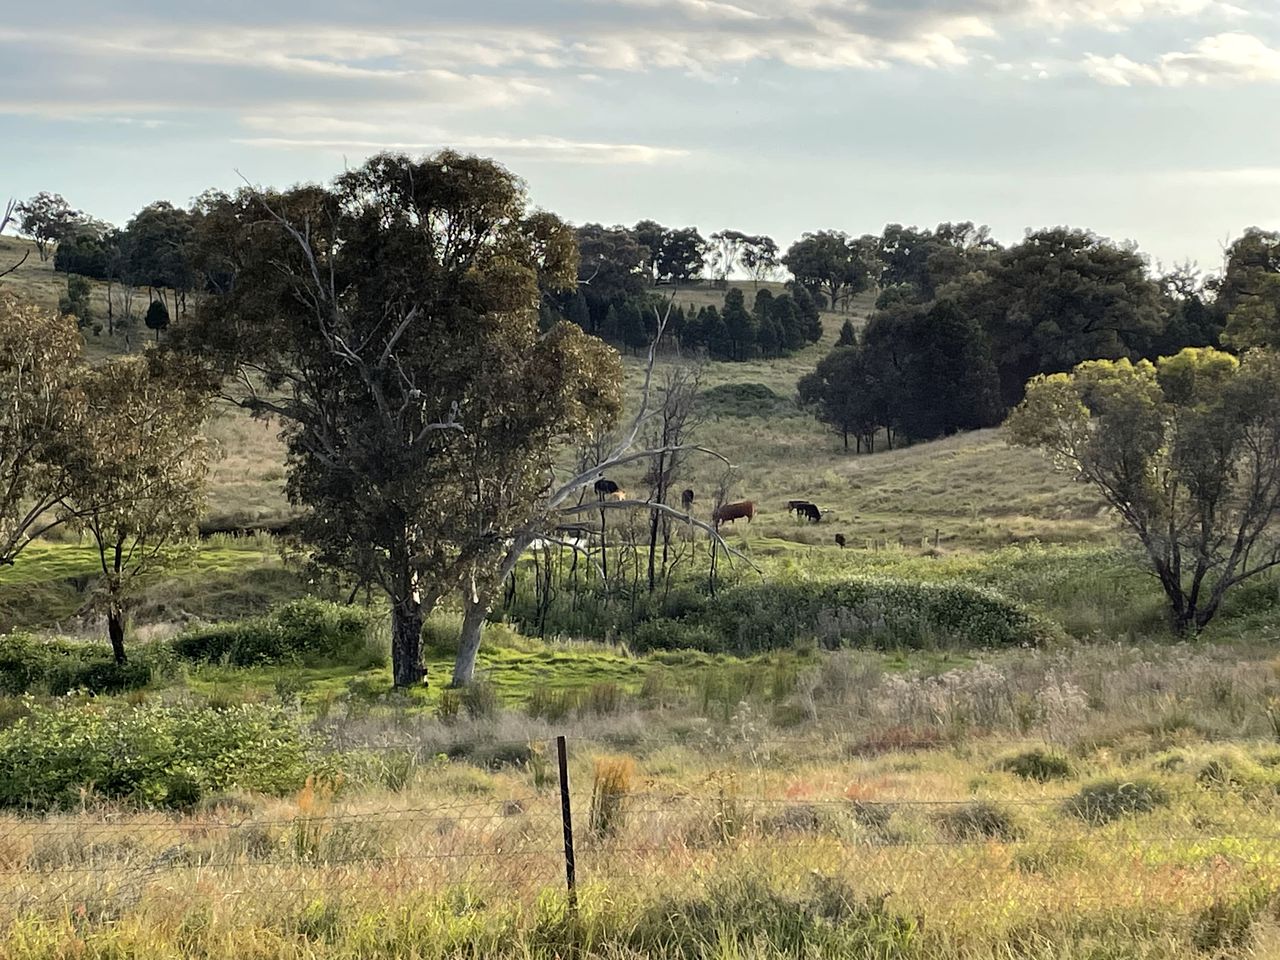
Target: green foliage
743,400
59,666
1102,802
157,317
307,631
1187,451
1038,765
151,755
76,301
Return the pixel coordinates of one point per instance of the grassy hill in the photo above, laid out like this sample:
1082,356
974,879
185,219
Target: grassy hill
970,492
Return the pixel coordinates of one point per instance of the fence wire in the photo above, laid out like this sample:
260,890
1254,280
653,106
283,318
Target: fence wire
1046,846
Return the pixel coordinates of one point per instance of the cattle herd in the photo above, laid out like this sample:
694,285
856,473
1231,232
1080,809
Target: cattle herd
607,489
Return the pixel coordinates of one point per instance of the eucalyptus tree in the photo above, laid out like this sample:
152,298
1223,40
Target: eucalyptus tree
138,472
390,321
41,368
1186,451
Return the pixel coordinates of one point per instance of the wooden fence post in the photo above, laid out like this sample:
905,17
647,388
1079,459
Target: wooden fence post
566,820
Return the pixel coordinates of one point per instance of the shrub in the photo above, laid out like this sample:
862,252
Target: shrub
1037,765
307,631
871,612
59,666
744,400
980,820
154,755
480,699
1107,800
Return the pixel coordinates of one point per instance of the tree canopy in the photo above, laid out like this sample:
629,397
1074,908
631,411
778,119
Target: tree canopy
1185,450
391,321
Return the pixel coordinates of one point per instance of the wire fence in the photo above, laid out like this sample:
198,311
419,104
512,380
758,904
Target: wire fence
1049,845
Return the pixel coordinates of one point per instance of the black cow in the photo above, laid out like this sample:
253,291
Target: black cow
606,487
797,507
686,500
811,513
840,540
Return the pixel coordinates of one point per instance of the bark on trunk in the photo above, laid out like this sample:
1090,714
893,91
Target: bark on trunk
407,669
115,630
474,612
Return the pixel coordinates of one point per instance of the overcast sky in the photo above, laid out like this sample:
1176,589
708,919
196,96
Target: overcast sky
1149,120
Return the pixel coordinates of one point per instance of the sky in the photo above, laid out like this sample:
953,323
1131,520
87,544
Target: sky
1152,121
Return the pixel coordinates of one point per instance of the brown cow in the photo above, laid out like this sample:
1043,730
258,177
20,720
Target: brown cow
735,511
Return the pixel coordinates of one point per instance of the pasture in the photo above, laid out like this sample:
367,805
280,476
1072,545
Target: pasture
968,733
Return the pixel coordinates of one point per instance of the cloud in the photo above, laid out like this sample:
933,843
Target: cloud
534,148
1223,58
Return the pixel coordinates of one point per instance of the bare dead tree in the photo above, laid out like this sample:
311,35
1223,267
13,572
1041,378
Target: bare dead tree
5,219
565,502
675,421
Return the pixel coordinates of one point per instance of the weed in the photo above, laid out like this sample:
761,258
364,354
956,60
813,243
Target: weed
1107,800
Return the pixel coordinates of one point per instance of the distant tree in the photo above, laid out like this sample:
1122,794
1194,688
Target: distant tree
390,320
1186,451
759,257
848,337
740,327
162,250
682,256
576,310
923,261
724,251
75,302
85,250
793,332
807,310
947,379
650,234
157,318
832,262
1193,316
139,479
41,368
46,218
6,217
1249,291
760,307
844,396
769,337
613,266
715,334
1059,297
631,329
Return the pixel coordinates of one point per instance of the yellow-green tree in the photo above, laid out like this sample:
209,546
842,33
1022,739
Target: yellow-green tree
1185,450
139,472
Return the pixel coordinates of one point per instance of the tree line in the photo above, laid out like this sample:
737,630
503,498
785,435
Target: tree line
961,323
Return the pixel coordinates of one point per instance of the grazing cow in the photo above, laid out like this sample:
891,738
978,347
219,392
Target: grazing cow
797,506
735,511
606,487
686,500
840,540
811,513
618,493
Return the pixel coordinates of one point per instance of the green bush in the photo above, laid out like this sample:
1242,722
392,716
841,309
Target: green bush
308,631
744,400
1107,800
58,666
166,756
878,612
1037,765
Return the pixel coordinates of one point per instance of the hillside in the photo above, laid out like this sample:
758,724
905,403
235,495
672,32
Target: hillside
973,490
